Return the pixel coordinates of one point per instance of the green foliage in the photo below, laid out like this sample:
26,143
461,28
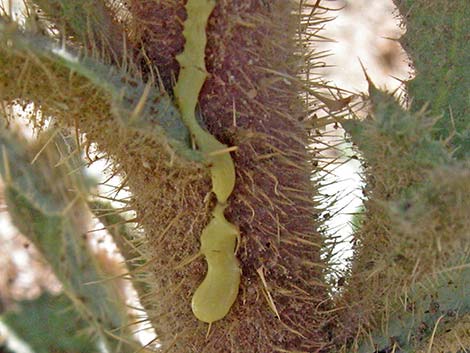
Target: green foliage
46,204
429,305
50,324
437,41
412,253
395,137
411,250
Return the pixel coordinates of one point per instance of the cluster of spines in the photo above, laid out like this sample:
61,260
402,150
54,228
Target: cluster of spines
412,245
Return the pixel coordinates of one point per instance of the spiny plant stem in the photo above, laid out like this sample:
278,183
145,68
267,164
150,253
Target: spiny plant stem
437,41
135,105
49,324
47,206
413,230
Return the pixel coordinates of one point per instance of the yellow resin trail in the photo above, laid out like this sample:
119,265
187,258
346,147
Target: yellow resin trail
219,289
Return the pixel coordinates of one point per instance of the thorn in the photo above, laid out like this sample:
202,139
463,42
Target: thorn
391,38
53,135
65,159
234,116
222,151
77,134
122,186
70,205
431,340
368,79
144,348
454,129
188,261
397,94
6,166
141,103
208,330
402,81
161,84
268,296
152,70
333,105
124,52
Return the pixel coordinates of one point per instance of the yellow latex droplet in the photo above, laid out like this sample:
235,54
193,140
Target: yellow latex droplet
216,294
219,289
